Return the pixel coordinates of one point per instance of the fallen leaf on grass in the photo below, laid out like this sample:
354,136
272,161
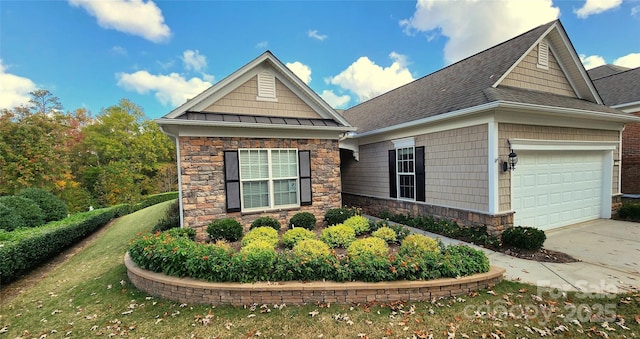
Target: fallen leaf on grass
637,318
314,313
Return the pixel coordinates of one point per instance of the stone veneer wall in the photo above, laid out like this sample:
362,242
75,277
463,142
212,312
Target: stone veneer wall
186,290
373,206
203,192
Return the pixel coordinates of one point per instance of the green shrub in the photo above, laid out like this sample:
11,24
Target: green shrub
153,199
211,263
227,229
374,247
26,208
386,234
256,261
338,235
336,216
182,232
418,244
415,266
10,219
311,248
52,207
264,233
528,238
304,220
629,211
266,221
462,260
292,237
401,231
359,224
170,220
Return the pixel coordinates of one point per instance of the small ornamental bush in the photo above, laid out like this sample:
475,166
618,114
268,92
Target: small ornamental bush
227,229
292,237
463,260
372,247
26,208
386,234
629,211
338,236
210,262
182,232
170,220
264,233
265,221
256,260
418,244
52,207
310,249
359,224
9,219
401,231
336,216
304,220
527,238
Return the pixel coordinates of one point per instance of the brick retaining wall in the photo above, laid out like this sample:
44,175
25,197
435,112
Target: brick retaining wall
191,291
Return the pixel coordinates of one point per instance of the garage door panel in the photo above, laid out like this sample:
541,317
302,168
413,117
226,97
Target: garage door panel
557,188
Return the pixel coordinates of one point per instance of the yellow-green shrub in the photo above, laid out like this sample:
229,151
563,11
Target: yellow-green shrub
373,247
311,248
359,224
386,234
338,236
292,237
418,244
264,233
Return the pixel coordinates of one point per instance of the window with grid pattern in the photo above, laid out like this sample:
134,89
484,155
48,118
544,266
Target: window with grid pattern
406,173
269,178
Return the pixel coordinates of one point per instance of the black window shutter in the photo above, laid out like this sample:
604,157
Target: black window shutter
419,168
393,190
304,161
232,180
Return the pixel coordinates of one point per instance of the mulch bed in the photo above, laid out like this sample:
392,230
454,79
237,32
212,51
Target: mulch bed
542,255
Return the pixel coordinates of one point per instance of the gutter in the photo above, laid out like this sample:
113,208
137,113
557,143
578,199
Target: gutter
183,122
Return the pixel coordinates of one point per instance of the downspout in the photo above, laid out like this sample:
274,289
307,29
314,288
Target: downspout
177,139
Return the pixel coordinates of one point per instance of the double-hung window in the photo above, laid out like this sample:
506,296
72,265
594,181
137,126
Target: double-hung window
268,178
405,162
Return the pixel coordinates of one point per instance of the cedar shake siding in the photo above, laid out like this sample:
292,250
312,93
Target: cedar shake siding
203,179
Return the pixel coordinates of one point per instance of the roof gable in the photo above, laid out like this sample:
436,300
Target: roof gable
234,88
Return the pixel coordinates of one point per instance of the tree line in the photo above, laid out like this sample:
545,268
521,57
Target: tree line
115,157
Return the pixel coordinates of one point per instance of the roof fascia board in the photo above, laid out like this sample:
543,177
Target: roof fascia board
564,70
628,107
570,112
524,55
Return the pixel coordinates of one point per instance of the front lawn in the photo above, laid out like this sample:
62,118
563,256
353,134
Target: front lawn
89,295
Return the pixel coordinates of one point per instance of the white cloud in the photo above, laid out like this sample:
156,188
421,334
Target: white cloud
301,70
169,89
635,12
631,60
193,60
596,7
15,89
119,50
334,100
472,26
367,80
136,17
262,44
592,61
315,35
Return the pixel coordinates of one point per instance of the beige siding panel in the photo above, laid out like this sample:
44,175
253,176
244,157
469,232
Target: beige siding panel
243,101
455,169
516,131
528,75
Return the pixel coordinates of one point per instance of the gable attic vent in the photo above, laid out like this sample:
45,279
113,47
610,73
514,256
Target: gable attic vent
266,86
543,54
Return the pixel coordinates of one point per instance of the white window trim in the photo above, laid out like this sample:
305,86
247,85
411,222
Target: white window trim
398,173
270,181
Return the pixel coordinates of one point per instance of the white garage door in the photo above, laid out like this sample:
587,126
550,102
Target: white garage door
557,188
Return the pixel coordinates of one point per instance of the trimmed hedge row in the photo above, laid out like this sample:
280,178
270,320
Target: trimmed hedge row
179,256
24,249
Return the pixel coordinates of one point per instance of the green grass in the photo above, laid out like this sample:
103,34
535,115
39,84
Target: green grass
90,295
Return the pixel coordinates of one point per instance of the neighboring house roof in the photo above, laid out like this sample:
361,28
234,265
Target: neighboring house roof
605,70
201,110
620,88
476,81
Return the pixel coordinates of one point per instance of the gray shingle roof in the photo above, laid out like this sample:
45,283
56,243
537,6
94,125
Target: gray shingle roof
255,119
605,70
465,84
619,88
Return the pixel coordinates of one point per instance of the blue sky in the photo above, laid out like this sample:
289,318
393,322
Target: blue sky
93,53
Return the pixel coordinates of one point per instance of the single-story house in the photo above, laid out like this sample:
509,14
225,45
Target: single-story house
262,142
619,87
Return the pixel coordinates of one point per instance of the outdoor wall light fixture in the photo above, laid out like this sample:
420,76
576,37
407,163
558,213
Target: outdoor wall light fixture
510,164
